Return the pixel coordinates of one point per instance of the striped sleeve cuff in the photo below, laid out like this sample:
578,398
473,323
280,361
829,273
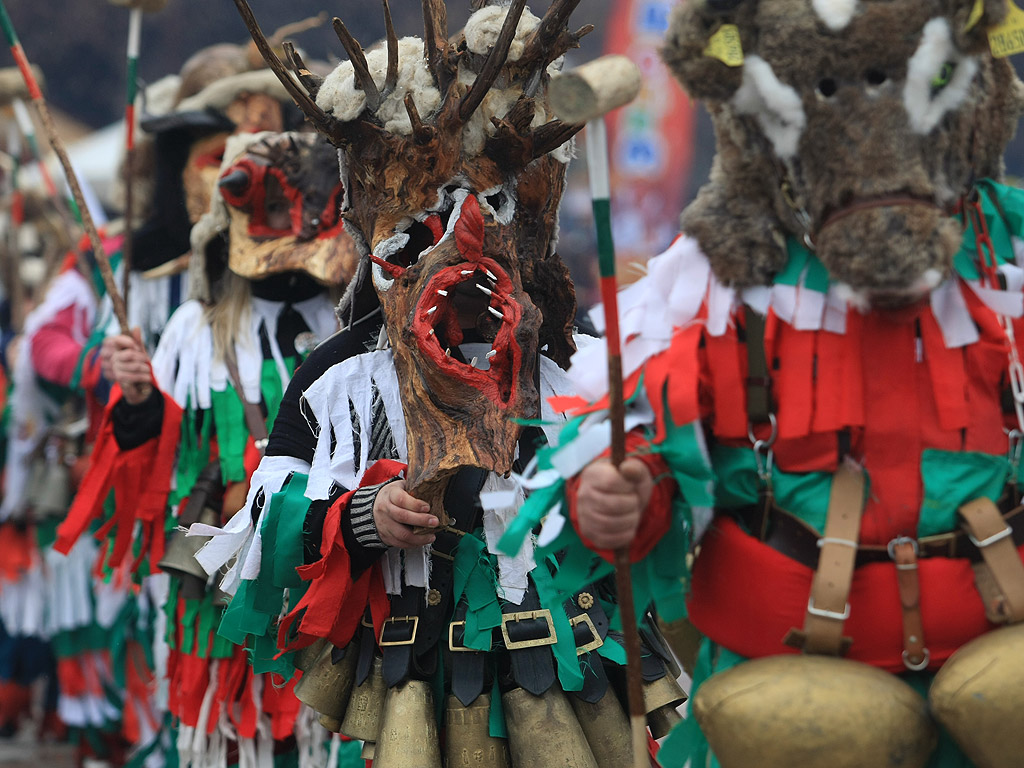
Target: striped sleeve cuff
360,515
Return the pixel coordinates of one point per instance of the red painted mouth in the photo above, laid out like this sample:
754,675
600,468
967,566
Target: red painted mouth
453,296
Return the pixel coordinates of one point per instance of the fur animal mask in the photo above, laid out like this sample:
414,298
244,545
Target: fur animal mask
855,125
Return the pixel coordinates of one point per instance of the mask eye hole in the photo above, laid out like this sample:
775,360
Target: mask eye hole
875,77
827,87
497,200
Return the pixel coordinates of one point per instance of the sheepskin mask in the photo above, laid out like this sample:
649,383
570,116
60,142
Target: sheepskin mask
283,201
454,169
854,125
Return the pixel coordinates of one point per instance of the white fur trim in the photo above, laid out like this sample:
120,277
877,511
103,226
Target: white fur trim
339,95
775,105
935,49
835,13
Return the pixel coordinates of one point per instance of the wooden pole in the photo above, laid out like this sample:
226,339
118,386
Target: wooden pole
69,172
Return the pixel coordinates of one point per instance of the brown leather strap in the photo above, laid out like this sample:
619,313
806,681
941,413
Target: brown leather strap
904,553
828,606
759,400
254,420
993,536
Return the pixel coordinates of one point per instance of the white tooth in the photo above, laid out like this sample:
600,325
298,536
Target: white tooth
496,313
441,293
466,272
432,310
448,352
430,332
488,291
473,362
488,273
491,354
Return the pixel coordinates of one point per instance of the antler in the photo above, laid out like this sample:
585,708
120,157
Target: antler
320,119
551,39
310,81
358,59
495,60
435,41
391,80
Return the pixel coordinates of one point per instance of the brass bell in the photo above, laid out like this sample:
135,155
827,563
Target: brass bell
325,686
977,697
759,712
366,705
684,639
606,727
408,733
468,741
180,556
661,697
369,750
305,657
53,498
543,731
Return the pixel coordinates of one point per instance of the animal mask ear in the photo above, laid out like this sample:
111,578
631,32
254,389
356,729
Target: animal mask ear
971,20
692,27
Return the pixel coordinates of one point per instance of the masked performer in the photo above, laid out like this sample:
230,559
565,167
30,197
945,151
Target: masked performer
831,354
370,535
260,260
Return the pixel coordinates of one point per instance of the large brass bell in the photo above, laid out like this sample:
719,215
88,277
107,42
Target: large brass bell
543,732
179,558
408,733
325,686
52,499
606,727
366,705
661,697
978,696
684,639
762,712
468,741
304,658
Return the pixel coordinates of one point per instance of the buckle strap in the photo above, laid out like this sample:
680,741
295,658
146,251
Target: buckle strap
993,536
904,552
828,606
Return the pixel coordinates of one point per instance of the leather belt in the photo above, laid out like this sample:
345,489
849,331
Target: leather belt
797,540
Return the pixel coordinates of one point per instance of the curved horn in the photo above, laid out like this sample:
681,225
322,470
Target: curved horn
435,41
391,80
358,59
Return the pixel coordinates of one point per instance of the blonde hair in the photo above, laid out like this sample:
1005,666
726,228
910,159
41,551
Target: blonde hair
227,313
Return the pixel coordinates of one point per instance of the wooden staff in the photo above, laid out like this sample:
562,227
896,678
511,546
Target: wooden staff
131,91
69,172
587,94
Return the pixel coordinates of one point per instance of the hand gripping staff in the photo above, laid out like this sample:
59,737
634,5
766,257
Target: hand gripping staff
587,94
51,133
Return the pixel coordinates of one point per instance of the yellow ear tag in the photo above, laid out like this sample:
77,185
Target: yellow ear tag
725,46
1008,38
976,13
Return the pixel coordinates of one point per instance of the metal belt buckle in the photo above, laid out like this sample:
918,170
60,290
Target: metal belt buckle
891,546
596,642
514,645
451,639
414,620
1003,534
827,614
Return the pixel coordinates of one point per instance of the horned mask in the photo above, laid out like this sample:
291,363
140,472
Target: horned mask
856,127
277,203
454,169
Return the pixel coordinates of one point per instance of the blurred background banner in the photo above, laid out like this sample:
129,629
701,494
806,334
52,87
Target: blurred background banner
651,141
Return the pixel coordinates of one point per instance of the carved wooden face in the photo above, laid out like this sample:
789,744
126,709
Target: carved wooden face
451,239
284,205
877,114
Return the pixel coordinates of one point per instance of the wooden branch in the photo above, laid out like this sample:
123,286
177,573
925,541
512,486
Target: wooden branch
539,44
552,135
358,59
310,81
320,119
495,61
422,133
435,41
391,80
521,114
